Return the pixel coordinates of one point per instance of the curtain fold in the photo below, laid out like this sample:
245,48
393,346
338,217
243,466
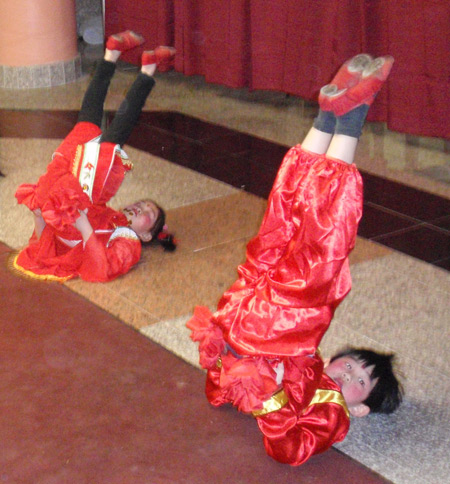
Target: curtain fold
296,46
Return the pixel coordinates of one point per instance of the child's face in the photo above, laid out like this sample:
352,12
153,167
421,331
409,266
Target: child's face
142,216
354,380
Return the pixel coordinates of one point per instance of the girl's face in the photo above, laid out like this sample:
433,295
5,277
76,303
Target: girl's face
353,378
141,217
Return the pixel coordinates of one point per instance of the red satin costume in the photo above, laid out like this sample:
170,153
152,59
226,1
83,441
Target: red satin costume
274,316
73,182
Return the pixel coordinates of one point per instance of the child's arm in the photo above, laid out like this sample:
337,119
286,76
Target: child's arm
104,262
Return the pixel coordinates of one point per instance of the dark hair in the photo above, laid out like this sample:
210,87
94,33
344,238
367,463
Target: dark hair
387,394
159,234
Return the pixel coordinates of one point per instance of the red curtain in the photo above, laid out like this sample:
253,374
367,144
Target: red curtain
295,46
152,18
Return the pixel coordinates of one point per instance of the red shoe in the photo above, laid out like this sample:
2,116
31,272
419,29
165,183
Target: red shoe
162,56
347,76
372,78
165,57
148,57
124,41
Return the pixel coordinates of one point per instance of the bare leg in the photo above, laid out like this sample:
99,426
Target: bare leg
317,141
342,147
319,136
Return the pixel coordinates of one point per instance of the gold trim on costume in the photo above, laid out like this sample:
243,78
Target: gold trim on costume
329,396
19,270
277,401
76,160
280,399
123,232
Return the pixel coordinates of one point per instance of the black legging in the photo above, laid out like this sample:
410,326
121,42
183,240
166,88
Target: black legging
129,110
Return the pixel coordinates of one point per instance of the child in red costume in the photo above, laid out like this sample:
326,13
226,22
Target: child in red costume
76,234
261,345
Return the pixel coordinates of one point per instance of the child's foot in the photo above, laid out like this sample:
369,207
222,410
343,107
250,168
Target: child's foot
372,78
124,41
165,57
148,62
162,56
348,76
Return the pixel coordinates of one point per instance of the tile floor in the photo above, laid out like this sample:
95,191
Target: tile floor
85,399
398,216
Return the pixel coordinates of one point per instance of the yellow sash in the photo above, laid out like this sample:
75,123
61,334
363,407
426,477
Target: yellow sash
280,399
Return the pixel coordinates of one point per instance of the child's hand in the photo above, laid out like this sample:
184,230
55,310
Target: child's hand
82,220
83,225
39,222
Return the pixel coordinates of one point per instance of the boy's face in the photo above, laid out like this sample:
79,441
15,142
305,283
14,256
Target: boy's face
142,216
354,380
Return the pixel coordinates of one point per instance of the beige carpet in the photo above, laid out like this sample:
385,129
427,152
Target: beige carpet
397,303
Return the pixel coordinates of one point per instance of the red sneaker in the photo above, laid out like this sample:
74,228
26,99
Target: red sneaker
148,57
162,56
165,57
347,76
372,78
124,41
